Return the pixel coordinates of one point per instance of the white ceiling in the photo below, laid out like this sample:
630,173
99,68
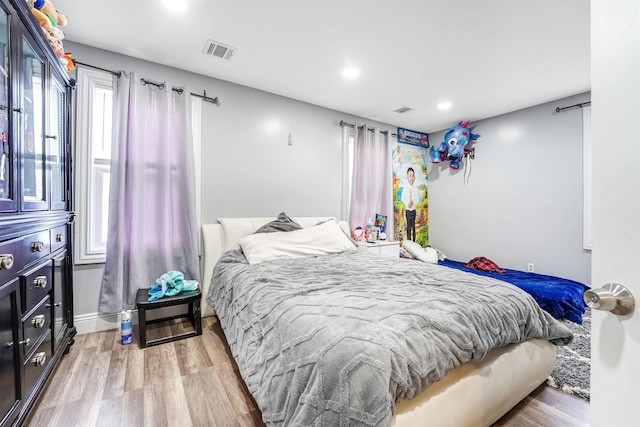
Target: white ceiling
485,57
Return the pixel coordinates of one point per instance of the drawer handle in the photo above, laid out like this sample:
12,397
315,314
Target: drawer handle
37,246
40,282
58,304
38,321
26,342
59,237
38,359
6,261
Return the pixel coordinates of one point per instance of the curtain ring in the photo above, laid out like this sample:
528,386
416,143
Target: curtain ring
158,85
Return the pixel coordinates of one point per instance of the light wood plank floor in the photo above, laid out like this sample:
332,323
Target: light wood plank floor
195,382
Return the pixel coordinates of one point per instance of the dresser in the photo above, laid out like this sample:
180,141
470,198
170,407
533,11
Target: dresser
36,301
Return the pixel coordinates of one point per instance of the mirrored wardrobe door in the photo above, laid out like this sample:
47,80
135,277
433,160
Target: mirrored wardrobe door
33,148
7,162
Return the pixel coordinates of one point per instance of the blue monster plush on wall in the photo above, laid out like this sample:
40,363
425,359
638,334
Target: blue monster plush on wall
453,146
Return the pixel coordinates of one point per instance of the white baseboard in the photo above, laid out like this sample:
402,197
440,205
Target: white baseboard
95,322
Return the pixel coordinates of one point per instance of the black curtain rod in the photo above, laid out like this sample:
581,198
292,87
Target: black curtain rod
351,125
582,104
204,97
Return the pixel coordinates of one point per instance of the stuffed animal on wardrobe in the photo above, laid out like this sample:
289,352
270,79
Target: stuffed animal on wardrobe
453,146
50,21
57,19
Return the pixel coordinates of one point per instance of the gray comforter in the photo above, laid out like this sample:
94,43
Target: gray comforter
338,339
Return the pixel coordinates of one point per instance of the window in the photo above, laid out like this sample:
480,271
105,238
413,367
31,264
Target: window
93,153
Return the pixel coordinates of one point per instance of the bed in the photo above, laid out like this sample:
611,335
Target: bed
562,298
270,332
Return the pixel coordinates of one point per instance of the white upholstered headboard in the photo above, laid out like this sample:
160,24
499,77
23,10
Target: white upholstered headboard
219,237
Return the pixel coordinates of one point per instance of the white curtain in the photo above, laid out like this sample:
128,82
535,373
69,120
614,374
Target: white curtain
152,203
371,190
196,133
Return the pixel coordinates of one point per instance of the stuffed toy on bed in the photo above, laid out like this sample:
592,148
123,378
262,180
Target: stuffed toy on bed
428,254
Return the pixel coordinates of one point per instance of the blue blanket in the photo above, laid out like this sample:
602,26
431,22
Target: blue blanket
562,298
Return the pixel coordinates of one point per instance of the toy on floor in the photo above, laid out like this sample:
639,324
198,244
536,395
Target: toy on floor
453,146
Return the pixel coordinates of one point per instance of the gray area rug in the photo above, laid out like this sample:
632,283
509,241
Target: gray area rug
573,362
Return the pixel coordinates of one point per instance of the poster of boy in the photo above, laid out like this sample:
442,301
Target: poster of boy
410,201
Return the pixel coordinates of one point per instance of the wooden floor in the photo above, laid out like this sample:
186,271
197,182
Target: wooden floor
195,382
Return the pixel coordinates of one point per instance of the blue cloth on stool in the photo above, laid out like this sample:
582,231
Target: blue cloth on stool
170,284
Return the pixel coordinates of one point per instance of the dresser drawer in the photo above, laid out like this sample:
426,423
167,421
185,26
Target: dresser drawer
37,324
58,237
35,363
11,258
36,246
36,284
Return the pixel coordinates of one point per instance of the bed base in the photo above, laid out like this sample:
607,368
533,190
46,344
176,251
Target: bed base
478,393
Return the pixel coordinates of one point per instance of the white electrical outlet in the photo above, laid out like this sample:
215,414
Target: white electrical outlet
530,267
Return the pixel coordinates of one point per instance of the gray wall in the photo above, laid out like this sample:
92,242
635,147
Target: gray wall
522,204
248,168
523,201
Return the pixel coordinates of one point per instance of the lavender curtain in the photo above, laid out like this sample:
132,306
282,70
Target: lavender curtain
371,190
152,201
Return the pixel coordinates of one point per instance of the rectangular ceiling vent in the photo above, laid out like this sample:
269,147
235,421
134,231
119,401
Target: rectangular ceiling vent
403,110
218,50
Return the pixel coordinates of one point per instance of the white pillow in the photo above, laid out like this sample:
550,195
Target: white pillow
235,228
322,239
422,254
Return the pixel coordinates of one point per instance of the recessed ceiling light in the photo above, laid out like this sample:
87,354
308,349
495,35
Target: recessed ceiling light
444,105
350,73
177,5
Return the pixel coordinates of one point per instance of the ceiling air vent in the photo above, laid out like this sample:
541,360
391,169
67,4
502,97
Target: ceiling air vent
218,50
403,110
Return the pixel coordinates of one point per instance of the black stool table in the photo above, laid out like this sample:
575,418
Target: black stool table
192,298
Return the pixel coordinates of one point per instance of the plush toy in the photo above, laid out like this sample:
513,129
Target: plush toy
428,254
57,19
50,20
56,45
42,18
453,146
67,61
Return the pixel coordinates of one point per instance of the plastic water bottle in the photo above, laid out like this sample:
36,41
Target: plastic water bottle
125,327
371,232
